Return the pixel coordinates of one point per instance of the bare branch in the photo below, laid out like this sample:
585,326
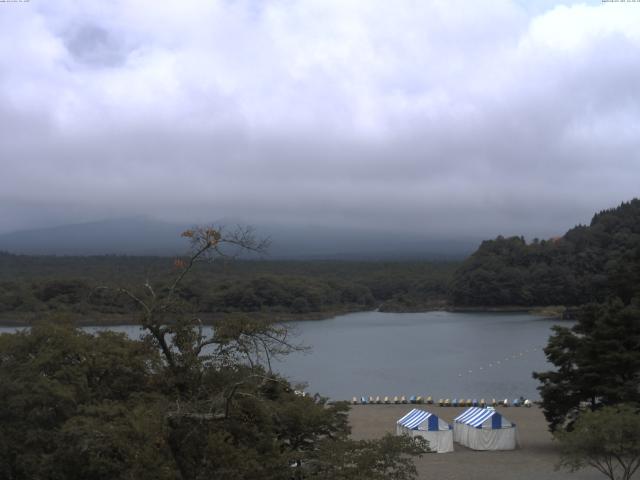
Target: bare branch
150,288
133,297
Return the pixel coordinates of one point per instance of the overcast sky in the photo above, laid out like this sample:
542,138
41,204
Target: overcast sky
448,117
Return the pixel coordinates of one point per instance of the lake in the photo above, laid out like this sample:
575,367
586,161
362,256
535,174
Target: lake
442,354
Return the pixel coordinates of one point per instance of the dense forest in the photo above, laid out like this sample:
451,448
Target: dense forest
588,264
33,286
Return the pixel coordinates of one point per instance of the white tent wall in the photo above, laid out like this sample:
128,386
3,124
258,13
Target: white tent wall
457,432
487,435
440,441
486,438
491,439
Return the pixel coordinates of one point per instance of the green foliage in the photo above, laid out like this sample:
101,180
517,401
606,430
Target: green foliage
113,440
32,287
607,439
77,406
65,394
597,362
384,459
588,264
178,404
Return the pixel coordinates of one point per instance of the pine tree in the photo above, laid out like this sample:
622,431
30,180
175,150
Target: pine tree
597,363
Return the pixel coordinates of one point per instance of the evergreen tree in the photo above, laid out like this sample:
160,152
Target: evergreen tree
588,264
597,363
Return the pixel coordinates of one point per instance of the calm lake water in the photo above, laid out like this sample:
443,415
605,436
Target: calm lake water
442,354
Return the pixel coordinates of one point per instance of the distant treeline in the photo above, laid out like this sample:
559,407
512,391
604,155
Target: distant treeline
33,286
588,264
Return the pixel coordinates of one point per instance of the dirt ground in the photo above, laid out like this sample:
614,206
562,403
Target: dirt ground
533,460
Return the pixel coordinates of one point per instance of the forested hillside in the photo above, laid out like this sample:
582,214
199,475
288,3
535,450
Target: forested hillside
33,286
588,264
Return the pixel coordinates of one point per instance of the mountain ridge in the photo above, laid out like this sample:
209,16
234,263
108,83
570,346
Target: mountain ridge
147,236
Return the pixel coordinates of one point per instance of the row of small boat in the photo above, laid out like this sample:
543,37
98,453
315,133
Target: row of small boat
516,402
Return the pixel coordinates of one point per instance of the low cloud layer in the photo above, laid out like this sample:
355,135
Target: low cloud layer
457,117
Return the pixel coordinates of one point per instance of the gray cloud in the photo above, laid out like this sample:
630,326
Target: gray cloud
95,46
448,118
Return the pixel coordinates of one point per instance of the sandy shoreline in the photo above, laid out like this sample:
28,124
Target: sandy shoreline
534,460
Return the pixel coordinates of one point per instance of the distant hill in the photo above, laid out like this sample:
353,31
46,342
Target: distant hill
147,236
587,264
132,236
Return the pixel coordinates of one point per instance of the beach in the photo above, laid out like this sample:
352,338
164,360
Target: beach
535,458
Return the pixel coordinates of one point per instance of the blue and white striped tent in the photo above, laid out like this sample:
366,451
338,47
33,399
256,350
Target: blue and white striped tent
424,424
484,429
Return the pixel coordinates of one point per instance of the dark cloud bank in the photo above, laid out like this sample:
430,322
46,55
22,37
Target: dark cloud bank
426,119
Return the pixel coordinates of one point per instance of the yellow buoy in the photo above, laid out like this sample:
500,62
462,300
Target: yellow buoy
395,399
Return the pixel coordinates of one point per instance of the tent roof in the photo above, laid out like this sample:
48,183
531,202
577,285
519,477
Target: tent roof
475,416
414,418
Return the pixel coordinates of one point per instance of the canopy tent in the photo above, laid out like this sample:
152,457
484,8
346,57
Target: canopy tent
484,429
418,423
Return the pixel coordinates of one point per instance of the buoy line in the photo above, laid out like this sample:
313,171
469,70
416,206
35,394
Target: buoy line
413,399
496,363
